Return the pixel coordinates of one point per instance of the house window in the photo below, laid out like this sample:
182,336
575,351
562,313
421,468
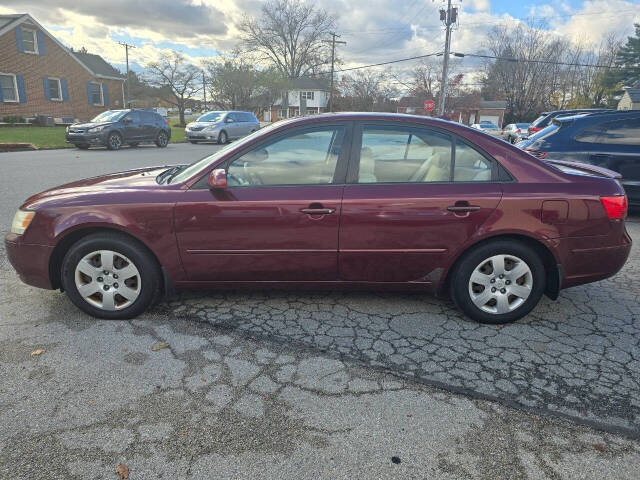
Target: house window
306,95
9,87
282,113
29,41
95,90
55,92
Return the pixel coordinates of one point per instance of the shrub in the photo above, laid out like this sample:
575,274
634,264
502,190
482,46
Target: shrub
13,119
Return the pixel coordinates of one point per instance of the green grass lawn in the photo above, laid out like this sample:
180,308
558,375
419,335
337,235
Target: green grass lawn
48,137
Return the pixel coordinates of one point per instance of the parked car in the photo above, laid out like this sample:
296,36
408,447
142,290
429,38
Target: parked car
488,127
341,201
221,127
608,139
187,111
514,132
115,128
545,118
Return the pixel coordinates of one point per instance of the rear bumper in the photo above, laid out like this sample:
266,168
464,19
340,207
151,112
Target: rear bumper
589,259
31,262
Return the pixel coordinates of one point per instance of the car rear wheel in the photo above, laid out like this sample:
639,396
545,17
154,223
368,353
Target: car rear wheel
110,276
498,282
114,141
162,139
223,138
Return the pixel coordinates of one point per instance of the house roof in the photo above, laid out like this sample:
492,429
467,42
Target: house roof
308,83
95,66
493,104
634,94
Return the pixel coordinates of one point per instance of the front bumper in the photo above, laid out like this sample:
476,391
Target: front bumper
203,135
86,138
30,261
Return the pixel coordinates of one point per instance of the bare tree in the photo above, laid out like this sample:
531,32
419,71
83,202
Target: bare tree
178,78
233,81
366,90
291,35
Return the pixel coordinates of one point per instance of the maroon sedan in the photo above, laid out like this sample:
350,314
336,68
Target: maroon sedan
334,201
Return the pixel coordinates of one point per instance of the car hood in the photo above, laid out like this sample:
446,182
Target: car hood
91,124
202,124
72,193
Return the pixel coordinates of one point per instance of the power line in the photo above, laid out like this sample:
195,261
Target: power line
530,60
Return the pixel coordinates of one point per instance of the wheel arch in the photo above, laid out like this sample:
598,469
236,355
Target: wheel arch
71,237
553,269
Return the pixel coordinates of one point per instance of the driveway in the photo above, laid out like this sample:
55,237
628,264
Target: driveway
310,385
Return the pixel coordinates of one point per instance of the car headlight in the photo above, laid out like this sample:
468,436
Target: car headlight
95,129
21,221
211,128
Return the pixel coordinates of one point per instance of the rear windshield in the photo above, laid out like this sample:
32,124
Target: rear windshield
545,132
538,120
488,126
522,125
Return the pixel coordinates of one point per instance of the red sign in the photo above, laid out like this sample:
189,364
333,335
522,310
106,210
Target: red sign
429,105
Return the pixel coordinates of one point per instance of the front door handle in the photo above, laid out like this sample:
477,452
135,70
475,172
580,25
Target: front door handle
317,211
463,208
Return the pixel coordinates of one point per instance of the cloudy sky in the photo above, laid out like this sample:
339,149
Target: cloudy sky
375,30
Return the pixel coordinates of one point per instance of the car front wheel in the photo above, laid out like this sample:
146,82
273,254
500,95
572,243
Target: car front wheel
498,282
108,275
223,138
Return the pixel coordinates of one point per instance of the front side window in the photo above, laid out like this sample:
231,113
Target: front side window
9,88
404,155
303,158
55,93
29,41
95,91
470,165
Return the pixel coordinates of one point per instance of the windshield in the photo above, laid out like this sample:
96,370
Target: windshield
201,164
110,116
211,117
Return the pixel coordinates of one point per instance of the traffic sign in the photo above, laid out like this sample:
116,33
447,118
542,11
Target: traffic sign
429,105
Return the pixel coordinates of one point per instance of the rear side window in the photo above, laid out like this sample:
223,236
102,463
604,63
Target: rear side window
148,117
619,132
470,165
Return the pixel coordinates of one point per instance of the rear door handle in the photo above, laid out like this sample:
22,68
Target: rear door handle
318,211
463,208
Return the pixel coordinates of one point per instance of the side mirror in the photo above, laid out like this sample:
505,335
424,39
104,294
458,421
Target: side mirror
128,120
218,178
228,120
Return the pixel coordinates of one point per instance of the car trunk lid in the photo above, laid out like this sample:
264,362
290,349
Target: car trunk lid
583,169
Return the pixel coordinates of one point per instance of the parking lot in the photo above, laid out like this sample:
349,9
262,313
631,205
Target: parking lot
320,384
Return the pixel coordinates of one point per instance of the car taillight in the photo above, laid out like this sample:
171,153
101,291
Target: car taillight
518,131
534,129
536,153
616,207
166,121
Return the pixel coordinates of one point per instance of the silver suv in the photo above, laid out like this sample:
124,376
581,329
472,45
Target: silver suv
220,126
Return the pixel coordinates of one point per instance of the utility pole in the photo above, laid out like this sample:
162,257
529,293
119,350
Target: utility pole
126,50
204,91
449,17
333,58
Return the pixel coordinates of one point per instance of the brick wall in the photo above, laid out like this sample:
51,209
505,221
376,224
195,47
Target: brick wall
55,63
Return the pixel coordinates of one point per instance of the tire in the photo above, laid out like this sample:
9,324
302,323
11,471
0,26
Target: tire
193,141
82,146
134,144
223,137
162,139
130,299
114,141
514,295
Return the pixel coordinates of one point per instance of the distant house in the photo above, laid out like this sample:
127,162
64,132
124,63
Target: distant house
413,105
475,111
304,96
630,99
40,76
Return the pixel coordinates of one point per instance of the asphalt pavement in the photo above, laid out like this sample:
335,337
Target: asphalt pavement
310,385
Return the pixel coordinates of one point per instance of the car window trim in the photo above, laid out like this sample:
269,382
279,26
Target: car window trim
339,175
354,158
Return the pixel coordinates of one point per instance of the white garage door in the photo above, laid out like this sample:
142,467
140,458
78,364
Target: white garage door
490,118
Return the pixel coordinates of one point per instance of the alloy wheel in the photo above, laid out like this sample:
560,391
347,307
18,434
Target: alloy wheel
500,284
114,141
162,139
107,280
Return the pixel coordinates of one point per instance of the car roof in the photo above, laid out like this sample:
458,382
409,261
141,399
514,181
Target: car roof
595,117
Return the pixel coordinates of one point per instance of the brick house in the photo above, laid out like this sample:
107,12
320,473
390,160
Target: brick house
40,76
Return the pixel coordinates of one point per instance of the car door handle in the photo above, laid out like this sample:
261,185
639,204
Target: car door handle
463,208
317,211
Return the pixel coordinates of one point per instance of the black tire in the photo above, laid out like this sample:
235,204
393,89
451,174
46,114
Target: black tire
82,146
134,144
148,268
193,141
114,141
162,139
223,137
461,275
